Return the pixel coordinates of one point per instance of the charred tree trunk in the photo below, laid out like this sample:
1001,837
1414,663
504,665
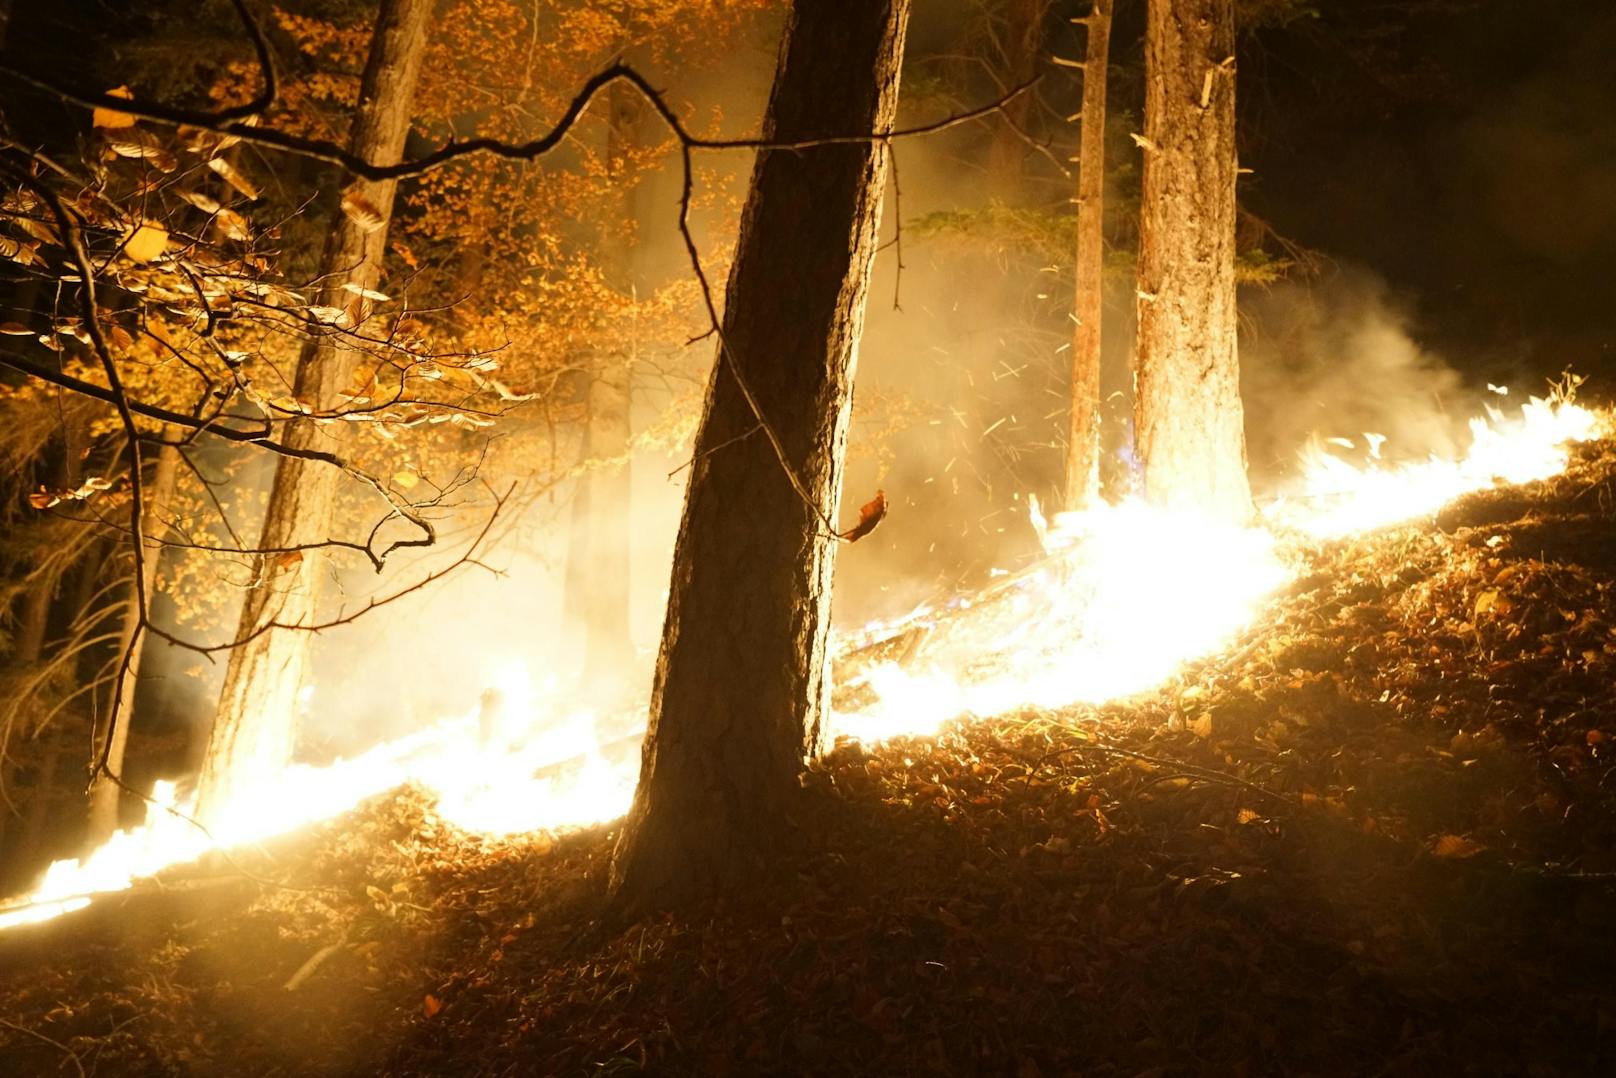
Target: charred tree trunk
1023,43
105,794
1188,416
254,730
1083,441
598,561
741,681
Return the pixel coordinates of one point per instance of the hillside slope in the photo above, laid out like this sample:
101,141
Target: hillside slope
1376,835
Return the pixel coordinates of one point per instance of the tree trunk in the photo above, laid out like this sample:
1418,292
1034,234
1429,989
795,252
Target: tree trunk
741,681
254,731
1083,442
106,795
598,562
1188,416
1023,44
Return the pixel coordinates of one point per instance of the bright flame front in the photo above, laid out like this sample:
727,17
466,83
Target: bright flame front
1126,596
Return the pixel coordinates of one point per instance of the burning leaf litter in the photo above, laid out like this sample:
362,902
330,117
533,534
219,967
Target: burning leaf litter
1128,595
1347,842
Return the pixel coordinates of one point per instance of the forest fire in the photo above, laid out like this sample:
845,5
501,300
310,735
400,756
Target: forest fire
1125,596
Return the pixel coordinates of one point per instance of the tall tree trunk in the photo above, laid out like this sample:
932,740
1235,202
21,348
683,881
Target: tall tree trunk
1188,417
1083,441
254,730
741,681
1022,45
105,794
598,562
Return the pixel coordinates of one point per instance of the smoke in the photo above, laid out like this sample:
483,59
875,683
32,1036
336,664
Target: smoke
1337,357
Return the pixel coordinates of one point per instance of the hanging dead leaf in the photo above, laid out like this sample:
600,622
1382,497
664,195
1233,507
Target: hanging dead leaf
42,499
232,225
871,514
233,176
25,254
365,293
107,119
14,329
331,316
430,1006
361,211
145,242
205,203
136,143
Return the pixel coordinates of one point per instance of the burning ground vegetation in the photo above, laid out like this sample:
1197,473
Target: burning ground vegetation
1375,834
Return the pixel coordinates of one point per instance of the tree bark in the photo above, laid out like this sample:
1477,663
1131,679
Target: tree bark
254,730
106,796
1188,416
1023,44
741,681
1083,440
598,558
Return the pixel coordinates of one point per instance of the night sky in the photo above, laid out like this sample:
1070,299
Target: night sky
1469,159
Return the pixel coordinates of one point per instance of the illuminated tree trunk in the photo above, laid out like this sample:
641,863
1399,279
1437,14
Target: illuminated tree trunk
1022,45
598,562
741,681
105,795
254,730
1188,416
1083,441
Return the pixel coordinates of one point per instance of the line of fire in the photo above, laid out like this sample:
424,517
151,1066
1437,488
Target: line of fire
729,537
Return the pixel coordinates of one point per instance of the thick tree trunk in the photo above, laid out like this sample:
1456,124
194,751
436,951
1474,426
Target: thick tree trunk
255,728
1188,417
1023,43
105,795
598,562
1083,441
741,681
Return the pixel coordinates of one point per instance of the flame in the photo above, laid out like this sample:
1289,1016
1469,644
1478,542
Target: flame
1339,498
1127,595
498,777
1131,593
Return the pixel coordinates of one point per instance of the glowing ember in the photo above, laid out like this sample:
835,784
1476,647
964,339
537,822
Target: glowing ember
1126,596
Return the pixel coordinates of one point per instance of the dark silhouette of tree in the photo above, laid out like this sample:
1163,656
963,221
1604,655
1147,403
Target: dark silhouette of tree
1083,441
740,688
253,731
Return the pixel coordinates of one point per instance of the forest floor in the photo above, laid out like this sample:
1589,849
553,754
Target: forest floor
1377,835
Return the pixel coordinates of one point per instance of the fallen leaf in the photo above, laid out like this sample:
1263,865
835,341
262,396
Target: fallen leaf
430,1006
1456,846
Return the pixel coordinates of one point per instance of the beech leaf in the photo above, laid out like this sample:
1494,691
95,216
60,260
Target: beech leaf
871,514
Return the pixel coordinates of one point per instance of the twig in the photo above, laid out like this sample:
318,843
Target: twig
316,960
72,1056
